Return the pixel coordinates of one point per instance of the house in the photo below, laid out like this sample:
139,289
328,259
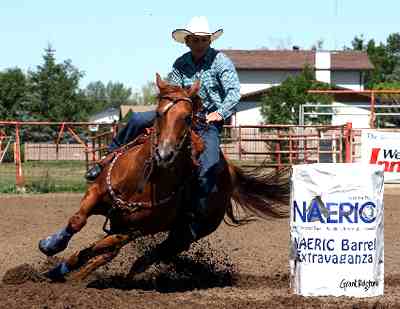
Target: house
113,114
108,115
125,109
261,69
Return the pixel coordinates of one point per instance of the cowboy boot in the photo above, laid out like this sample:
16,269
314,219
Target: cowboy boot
97,168
93,172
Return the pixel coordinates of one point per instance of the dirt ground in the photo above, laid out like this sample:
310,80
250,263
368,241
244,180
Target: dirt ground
244,267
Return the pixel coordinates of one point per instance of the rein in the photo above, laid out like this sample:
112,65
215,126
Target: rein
118,202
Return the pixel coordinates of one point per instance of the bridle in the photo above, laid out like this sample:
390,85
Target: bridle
119,203
173,101
155,138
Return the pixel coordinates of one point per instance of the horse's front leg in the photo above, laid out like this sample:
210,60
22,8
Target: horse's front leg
90,259
58,241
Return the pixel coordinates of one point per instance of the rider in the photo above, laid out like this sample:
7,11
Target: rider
219,91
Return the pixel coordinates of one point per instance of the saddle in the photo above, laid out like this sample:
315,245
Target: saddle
197,146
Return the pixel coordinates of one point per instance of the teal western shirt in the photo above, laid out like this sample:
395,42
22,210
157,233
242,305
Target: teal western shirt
220,86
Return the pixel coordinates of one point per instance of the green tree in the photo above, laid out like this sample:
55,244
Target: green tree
55,90
117,94
388,99
55,96
282,103
384,56
13,95
393,48
95,93
149,93
146,96
102,97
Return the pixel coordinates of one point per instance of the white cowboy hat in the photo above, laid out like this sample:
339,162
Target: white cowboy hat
198,25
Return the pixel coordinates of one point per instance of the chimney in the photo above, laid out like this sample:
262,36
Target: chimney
323,66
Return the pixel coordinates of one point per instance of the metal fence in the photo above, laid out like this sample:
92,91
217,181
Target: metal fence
282,145
75,146
57,163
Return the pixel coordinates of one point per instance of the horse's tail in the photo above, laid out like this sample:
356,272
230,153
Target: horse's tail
259,194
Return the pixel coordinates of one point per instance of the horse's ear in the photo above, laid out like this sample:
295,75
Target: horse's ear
160,83
194,89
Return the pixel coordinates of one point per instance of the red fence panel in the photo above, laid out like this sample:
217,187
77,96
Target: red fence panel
75,147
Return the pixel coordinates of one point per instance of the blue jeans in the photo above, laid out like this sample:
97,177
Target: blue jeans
137,123
209,159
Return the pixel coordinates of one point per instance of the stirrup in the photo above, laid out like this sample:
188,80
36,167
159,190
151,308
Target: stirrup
92,173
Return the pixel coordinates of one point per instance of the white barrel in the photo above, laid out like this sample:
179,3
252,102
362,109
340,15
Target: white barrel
336,230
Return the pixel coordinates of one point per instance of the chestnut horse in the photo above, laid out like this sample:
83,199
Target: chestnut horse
146,187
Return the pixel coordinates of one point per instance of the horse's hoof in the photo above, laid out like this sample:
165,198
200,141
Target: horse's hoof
55,243
57,274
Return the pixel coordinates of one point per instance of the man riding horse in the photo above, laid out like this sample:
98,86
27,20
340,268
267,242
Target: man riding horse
133,187
220,93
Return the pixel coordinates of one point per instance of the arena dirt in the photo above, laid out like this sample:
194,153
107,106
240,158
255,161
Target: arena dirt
244,267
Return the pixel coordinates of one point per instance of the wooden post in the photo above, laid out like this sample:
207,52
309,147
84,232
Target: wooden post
349,142
94,139
114,129
334,149
290,148
19,179
240,142
59,136
278,155
372,111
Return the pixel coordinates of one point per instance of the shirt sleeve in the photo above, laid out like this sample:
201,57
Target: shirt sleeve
229,81
175,76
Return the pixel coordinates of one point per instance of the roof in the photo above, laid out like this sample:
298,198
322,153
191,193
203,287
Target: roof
111,111
341,97
264,59
125,109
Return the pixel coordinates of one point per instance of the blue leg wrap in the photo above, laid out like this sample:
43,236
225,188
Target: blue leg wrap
55,243
58,272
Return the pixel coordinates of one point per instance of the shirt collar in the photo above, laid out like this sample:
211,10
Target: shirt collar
205,60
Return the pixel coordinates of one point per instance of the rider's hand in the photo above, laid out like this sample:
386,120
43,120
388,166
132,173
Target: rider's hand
213,117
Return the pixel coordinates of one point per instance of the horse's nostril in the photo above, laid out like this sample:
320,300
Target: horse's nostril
170,156
165,154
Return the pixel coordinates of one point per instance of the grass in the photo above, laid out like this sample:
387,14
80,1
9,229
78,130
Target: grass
56,176
45,176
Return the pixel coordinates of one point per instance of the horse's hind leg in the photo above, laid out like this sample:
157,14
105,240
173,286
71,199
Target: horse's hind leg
169,248
90,258
58,241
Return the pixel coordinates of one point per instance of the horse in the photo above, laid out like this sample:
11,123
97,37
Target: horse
146,185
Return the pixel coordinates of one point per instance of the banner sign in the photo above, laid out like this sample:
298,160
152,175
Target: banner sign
382,148
336,230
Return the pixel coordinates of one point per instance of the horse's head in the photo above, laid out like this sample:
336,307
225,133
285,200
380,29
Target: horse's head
175,111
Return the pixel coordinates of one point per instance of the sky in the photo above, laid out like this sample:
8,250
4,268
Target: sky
128,41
